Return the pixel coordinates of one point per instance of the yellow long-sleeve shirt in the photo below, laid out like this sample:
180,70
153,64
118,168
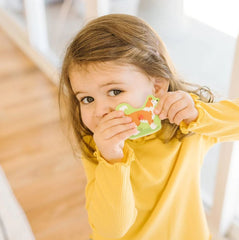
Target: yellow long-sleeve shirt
154,194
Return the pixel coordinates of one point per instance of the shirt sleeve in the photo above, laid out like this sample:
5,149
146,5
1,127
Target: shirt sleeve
109,196
219,120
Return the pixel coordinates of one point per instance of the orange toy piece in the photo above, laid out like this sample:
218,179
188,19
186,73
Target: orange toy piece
145,119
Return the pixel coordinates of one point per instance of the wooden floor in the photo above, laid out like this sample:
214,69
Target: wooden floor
36,157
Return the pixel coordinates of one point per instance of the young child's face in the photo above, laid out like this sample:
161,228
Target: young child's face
101,87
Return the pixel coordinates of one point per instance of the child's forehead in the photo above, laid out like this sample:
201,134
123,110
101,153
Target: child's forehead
105,74
104,67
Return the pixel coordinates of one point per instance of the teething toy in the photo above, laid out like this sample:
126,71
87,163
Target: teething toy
145,119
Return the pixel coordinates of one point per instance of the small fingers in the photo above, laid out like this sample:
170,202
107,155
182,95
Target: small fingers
118,129
112,115
126,134
175,108
180,116
166,102
114,122
160,104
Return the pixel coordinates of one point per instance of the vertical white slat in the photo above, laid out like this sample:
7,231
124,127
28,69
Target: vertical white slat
231,194
227,179
232,191
96,8
103,7
234,87
36,24
223,171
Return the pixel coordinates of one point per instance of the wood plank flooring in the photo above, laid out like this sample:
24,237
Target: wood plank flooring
35,155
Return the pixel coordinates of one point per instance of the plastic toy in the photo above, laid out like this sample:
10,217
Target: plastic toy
145,119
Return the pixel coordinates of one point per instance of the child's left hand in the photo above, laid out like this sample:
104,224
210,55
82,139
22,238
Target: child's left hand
177,106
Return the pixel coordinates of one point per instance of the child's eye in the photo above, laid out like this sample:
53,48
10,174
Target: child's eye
87,100
114,92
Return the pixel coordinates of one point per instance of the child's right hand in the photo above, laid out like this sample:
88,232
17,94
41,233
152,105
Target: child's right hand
110,134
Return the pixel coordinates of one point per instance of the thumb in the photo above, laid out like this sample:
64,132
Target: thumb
159,106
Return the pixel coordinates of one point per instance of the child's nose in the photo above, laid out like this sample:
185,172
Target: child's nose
102,110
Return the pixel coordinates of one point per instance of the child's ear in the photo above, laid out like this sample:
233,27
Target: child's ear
161,86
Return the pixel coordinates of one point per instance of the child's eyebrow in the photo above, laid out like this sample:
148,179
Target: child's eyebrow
102,85
78,92
110,83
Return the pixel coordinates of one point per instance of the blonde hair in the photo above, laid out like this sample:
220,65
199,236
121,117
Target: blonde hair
124,39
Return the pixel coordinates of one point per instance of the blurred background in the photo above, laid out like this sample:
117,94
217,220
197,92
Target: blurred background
202,40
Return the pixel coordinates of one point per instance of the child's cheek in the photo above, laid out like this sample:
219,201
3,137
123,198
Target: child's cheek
88,120
139,99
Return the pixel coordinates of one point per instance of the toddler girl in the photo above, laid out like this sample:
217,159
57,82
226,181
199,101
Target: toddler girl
147,188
